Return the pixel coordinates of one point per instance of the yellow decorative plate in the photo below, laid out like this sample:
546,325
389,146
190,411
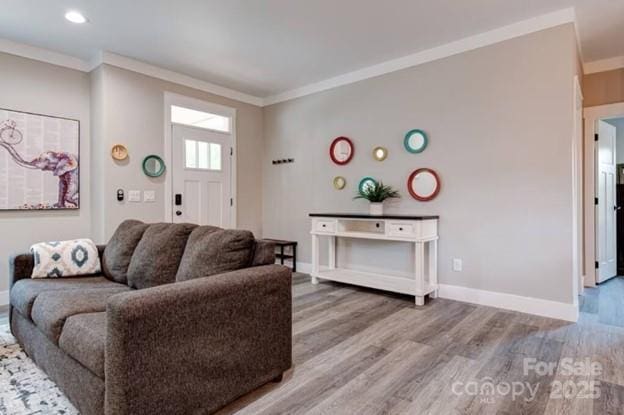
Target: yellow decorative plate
119,152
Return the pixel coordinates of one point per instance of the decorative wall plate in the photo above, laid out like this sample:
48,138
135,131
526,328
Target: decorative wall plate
339,182
341,150
380,153
153,166
365,182
415,141
423,184
119,152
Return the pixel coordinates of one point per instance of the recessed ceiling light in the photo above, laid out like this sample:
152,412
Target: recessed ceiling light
75,17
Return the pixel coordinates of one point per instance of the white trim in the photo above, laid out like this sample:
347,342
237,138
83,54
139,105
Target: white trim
170,99
577,36
604,65
529,305
43,55
491,37
177,78
576,166
592,115
4,298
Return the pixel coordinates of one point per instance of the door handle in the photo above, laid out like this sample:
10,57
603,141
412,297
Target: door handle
617,207
178,213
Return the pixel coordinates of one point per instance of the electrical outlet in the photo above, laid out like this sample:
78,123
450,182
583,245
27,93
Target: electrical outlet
457,264
149,196
134,196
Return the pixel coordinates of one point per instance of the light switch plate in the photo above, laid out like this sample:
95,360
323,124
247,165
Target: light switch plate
457,264
134,195
149,196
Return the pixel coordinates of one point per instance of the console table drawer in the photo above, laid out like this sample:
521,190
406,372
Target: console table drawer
406,230
328,226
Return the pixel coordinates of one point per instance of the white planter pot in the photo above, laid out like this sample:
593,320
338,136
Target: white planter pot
376,209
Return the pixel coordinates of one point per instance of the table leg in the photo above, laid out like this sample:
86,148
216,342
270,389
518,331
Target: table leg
294,250
419,271
433,267
315,259
282,254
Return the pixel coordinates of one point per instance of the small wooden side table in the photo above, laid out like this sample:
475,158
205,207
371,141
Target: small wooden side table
281,255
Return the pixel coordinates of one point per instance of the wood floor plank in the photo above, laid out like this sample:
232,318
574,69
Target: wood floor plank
376,383
611,401
318,388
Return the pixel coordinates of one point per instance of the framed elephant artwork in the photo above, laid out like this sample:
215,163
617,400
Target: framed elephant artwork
39,161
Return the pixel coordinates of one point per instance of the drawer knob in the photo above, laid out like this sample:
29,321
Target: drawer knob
400,229
377,225
323,225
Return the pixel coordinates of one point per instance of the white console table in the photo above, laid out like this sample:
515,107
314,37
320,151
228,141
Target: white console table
422,231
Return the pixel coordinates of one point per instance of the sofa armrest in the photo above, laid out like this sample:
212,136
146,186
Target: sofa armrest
194,346
20,267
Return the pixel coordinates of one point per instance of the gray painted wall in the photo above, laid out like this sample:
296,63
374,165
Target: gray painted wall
132,113
500,126
32,86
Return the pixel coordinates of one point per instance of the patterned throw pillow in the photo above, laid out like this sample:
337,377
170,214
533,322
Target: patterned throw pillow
65,259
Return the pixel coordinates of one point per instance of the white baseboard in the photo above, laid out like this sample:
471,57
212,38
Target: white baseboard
4,298
529,305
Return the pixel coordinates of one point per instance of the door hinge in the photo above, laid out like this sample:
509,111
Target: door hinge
596,137
596,264
595,201
231,151
231,202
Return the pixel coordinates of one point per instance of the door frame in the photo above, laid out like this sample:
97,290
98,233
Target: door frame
171,98
591,116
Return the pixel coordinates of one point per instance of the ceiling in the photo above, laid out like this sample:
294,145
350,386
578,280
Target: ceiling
265,47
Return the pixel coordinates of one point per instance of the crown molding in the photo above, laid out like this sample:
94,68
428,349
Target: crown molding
491,37
604,65
43,55
71,62
174,77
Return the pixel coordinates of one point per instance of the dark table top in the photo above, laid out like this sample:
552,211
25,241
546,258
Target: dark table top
279,242
367,216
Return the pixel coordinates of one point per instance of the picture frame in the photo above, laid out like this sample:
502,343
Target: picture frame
39,161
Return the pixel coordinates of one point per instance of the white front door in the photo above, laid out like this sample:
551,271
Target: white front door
606,214
202,191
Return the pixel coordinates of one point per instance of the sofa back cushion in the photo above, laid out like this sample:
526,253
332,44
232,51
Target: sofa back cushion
118,252
211,251
157,256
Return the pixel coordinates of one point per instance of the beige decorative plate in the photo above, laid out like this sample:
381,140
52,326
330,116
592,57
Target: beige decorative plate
119,152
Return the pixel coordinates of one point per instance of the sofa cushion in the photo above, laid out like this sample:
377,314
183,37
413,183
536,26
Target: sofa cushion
84,339
24,292
52,308
157,256
119,250
211,251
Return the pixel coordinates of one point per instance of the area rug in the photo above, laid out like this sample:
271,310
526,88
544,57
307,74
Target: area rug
24,388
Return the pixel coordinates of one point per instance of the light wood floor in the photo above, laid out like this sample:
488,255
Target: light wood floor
359,351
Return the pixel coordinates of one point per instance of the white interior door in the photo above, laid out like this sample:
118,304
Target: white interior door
202,162
606,213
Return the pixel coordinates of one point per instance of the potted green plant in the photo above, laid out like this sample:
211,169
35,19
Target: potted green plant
376,193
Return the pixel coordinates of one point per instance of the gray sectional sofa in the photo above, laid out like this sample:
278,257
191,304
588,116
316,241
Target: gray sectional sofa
183,320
